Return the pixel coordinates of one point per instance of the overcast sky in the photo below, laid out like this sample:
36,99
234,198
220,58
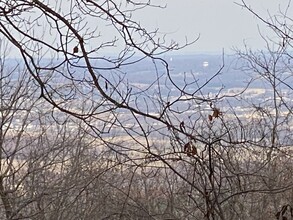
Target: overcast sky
220,23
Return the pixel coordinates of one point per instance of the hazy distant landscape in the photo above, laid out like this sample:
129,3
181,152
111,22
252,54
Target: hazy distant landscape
146,110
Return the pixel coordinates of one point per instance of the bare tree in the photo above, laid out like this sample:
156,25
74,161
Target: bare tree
103,146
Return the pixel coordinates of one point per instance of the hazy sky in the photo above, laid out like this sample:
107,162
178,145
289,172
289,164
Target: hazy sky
220,23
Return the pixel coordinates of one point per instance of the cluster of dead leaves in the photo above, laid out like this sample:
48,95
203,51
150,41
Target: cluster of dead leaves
190,149
216,114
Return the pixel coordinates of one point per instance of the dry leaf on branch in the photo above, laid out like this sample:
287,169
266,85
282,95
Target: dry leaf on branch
216,112
190,149
75,49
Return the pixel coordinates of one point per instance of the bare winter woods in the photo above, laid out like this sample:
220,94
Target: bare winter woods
80,140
